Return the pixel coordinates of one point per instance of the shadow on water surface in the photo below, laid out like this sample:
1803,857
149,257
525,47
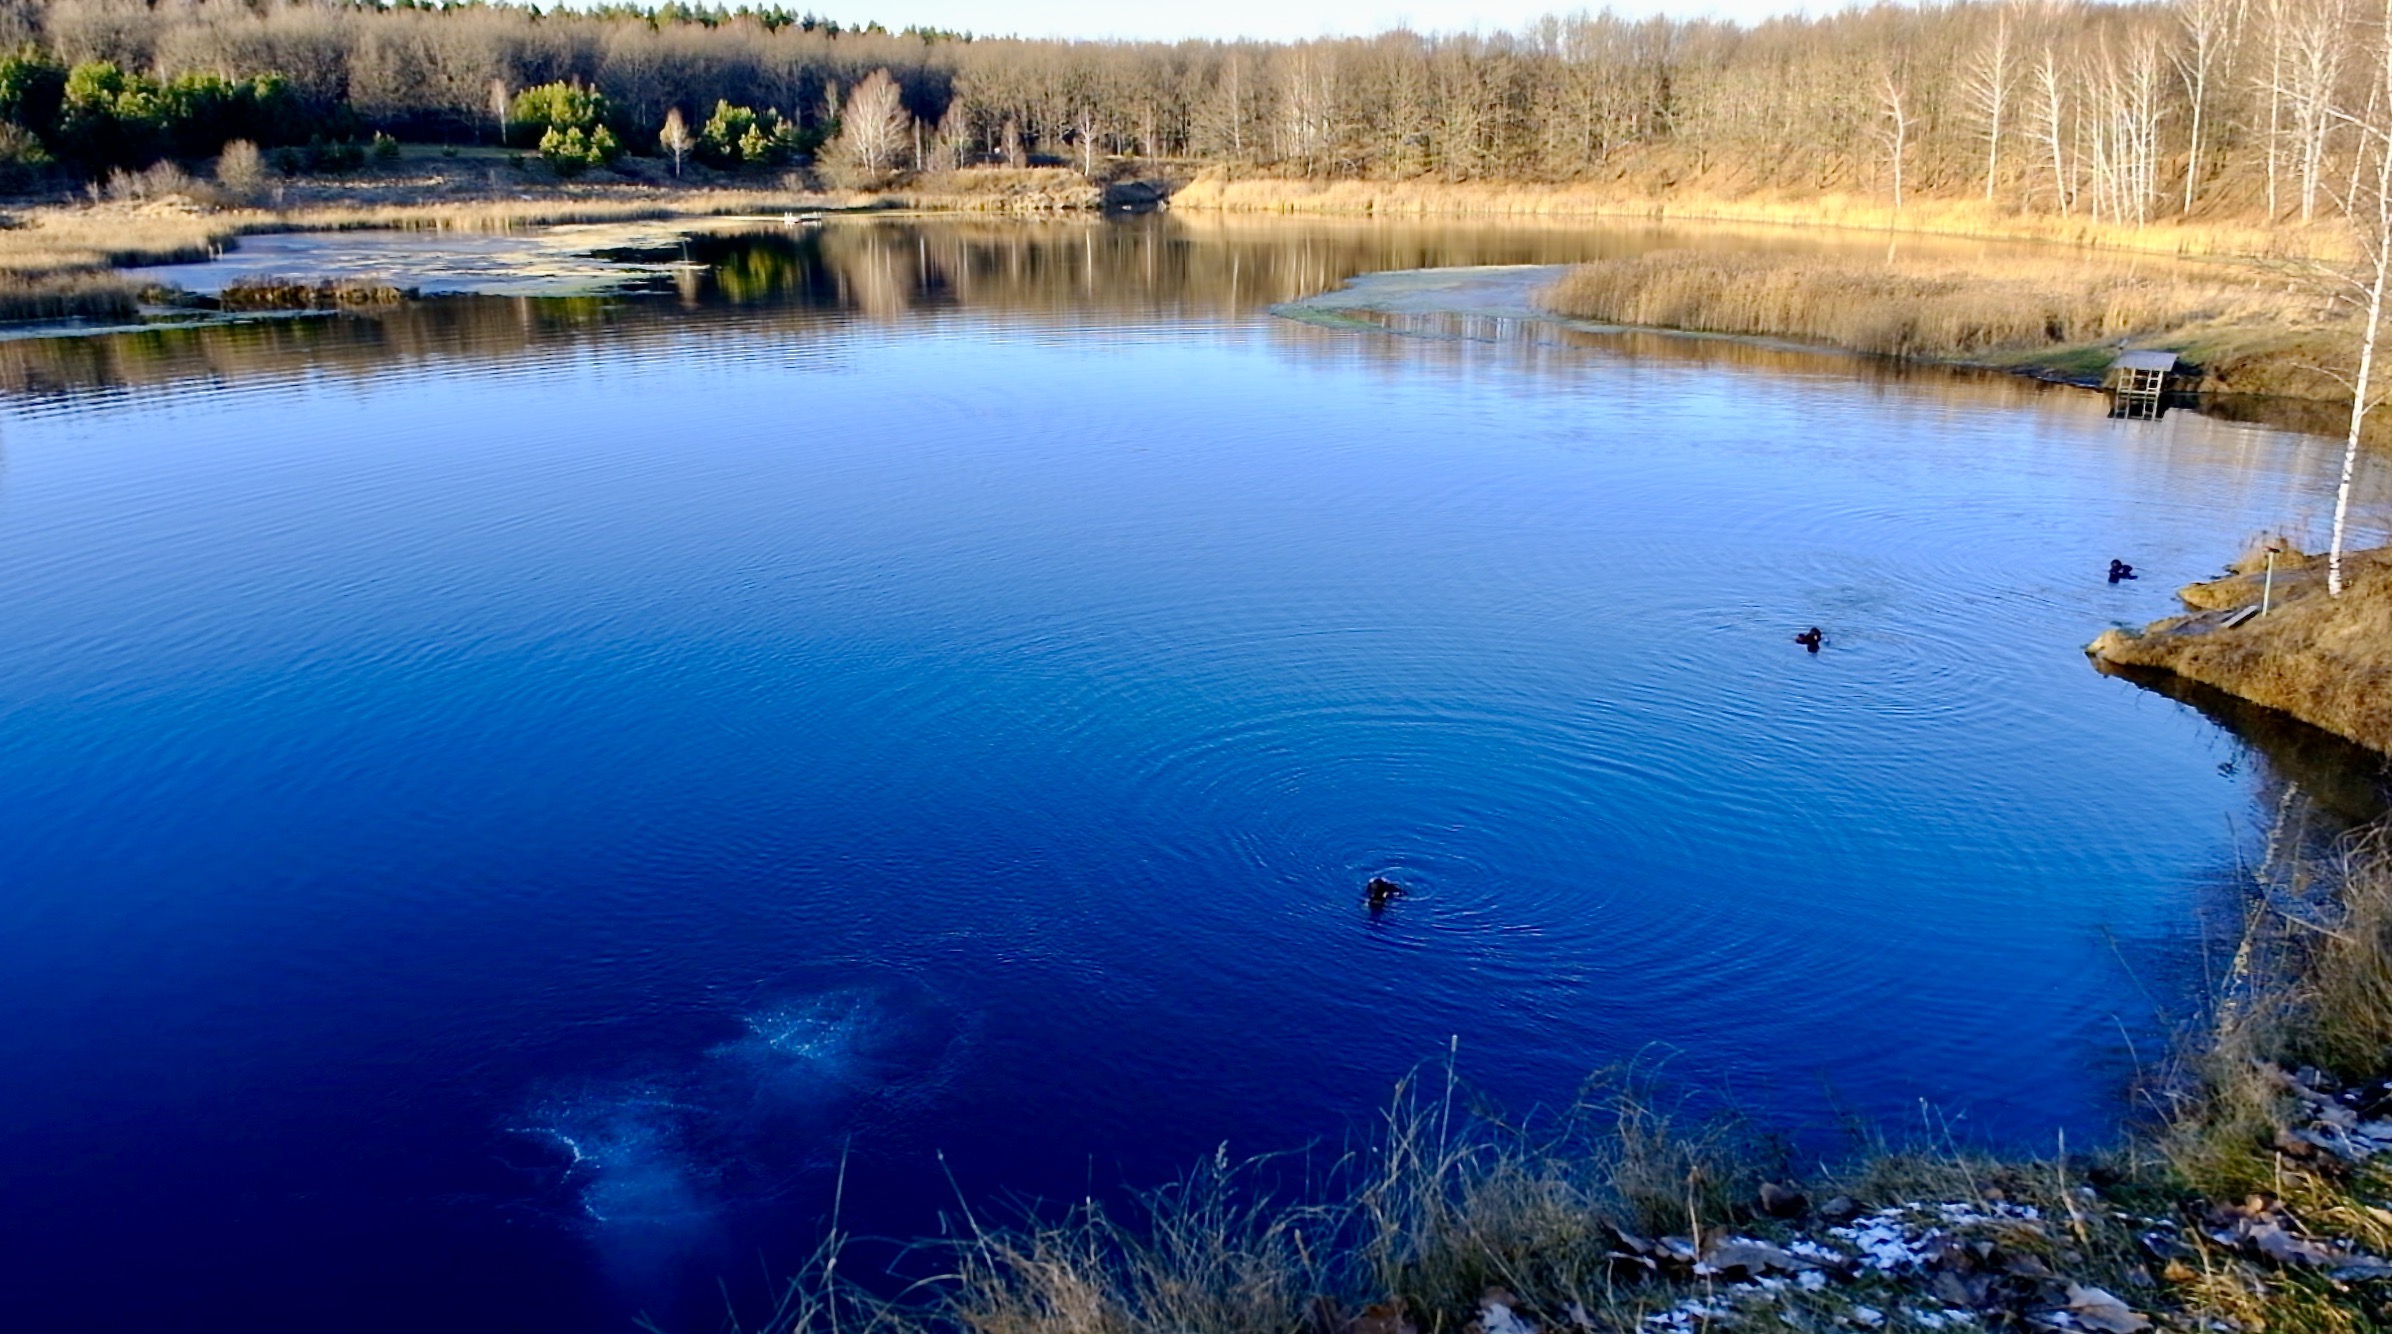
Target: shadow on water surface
2346,781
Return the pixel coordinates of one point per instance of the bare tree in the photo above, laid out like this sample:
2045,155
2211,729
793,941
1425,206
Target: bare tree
1893,105
1986,83
2315,41
951,146
875,126
1971,99
2208,29
2272,83
2051,115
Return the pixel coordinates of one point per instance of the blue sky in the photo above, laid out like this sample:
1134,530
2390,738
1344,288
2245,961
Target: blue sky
1278,19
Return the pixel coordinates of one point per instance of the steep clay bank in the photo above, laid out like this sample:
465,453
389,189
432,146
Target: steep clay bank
2326,661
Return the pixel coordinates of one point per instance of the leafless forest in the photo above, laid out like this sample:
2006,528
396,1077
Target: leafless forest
2119,113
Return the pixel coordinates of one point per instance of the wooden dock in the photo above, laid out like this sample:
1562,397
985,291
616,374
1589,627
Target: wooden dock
2138,384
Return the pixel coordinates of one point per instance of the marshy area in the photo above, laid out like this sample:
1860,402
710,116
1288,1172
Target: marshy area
2252,328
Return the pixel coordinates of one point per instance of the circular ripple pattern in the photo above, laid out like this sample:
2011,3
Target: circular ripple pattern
528,811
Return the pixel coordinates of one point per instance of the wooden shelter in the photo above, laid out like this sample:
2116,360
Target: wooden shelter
2138,383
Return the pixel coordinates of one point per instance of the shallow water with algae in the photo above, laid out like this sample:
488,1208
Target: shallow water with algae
503,797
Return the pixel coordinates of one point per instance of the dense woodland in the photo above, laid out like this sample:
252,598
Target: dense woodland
2121,112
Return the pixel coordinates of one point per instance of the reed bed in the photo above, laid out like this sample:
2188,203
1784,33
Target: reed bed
290,294
64,240
1916,309
1000,190
69,295
1653,201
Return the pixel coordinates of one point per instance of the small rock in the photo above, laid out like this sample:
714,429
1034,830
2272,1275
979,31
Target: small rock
1781,1201
1841,1209
1497,1316
2022,1265
2097,1309
1387,1317
1950,1290
2356,1267
1741,1258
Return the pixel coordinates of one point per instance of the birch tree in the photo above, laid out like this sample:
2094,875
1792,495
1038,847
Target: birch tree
2370,212
2051,119
2272,84
875,127
2312,71
2208,28
1893,103
1986,83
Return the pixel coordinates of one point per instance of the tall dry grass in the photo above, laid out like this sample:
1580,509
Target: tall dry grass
2313,990
1657,202
71,295
999,190
1447,1200
1444,1201
1904,308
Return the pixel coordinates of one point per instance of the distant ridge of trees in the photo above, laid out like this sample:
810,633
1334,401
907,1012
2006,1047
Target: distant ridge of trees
2121,112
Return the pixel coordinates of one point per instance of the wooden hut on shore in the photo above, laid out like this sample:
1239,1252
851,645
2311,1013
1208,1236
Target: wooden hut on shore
2138,384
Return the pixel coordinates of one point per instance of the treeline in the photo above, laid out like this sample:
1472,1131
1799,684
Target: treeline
2125,112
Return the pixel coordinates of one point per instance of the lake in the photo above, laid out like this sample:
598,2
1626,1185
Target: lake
504,797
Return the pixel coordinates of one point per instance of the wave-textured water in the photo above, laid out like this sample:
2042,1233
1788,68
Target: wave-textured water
508,808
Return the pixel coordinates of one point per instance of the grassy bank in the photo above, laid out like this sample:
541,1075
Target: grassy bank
2253,330
2248,1199
2324,660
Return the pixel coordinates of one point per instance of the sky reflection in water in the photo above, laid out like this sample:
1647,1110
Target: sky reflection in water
501,797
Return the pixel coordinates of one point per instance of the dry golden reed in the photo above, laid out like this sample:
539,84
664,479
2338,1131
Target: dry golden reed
1899,309
1220,191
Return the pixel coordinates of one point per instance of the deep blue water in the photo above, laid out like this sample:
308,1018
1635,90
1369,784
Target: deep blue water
495,806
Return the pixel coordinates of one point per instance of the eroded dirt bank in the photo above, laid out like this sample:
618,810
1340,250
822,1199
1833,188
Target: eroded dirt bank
2325,660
